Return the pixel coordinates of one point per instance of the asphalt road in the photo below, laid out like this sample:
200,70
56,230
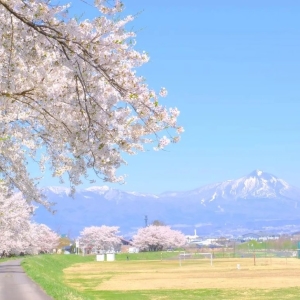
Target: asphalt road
16,285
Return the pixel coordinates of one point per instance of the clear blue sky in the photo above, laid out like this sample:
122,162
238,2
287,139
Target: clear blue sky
233,70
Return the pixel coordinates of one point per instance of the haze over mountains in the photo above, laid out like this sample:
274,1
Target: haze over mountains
258,201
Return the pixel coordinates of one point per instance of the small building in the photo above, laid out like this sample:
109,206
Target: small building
193,239
133,250
259,237
266,236
250,237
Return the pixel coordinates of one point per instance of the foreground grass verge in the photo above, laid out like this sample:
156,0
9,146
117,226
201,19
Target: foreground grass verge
203,294
47,271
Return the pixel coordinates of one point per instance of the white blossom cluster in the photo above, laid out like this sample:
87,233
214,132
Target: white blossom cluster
69,89
100,238
155,238
18,233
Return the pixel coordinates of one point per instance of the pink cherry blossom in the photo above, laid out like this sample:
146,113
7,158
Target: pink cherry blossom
43,239
103,238
69,90
18,233
156,238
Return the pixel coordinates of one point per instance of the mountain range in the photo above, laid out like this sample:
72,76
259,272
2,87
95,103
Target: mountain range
258,201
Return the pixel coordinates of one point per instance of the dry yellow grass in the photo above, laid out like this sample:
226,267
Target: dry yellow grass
147,275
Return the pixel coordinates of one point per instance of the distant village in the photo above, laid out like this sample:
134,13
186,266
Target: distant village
215,242
288,244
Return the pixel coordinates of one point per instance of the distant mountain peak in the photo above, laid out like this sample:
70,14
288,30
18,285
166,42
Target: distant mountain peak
260,173
57,190
257,173
260,184
263,176
257,184
100,189
257,198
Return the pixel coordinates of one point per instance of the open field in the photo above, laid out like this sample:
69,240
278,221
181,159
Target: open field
198,274
72,277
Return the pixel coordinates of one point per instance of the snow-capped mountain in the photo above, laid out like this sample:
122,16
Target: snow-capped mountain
257,184
256,200
58,190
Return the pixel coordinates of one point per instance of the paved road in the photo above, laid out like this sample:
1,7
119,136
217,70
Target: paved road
16,285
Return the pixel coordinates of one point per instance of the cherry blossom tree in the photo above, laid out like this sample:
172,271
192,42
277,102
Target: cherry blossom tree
103,238
18,233
43,239
69,90
15,215
156,238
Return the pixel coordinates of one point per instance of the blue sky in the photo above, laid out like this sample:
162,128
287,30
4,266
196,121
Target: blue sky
233,70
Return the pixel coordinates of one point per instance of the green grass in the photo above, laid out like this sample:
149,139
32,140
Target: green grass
47,271
271,244
200,294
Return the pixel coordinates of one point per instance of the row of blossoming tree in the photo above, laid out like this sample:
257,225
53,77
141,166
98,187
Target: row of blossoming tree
18,233
151,238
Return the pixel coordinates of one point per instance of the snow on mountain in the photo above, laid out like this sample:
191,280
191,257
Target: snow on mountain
257,184
58,190
257,199
108,192
98,189
143,194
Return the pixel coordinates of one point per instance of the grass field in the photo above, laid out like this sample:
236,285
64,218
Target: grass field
153,275
82,278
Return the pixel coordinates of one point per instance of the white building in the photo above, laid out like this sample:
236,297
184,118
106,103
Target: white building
192,239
